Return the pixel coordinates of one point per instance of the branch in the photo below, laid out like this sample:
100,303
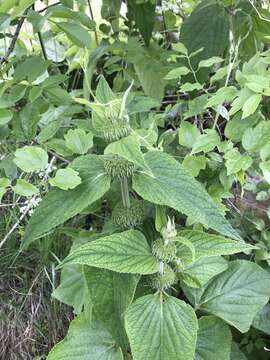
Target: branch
14,38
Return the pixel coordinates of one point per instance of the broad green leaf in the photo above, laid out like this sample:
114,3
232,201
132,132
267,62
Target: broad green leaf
111,293
73,289
236,161
76,33
194,164
20,7
188,133
262,320
60,205
5,116
177,73
66,179
255,138
4,182
31,158
251,105
210,62
202,270
196,106
171,185
86,341
49,130
161,327
129,148
24,188
64,12
206,142
78,141
58,146
237,294
235,128
207,245
125,252
225,94
104,94
243,95
214,339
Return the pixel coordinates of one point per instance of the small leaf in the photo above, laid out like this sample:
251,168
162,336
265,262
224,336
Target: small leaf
31,158
194,164
177,73
126,252
5,116
66,179
190,87
24,188
251,105
210,62
161,327
76,33
78,141
236,161
188,133
4,182
206,142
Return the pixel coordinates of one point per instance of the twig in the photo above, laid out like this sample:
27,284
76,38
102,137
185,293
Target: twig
48,7
92,18
14,38
59,157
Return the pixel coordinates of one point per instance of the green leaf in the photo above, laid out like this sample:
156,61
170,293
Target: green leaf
171,185
265,167
177,73
161,327
129,148
66,179
236,161
31,158
104,94
190,87
214,339
251,105
225,94
201,271
206,142
60,205
235,128
207,27
194,164
76,33
207,245
5,116
73,289
210,62
111,294
4,182
30,68
24,188
237,294
262,320
78,141
127,252
86,341
188,133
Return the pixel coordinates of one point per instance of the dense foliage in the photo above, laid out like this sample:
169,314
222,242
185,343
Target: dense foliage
135,133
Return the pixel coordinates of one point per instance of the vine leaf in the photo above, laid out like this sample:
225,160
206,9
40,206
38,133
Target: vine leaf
161,327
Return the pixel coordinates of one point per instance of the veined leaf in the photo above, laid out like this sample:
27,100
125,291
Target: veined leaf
86,341
214,339
262,320
127,252
251,105
111,293
207,245
237,294
31,158
171,185
60,205
161,327
76,33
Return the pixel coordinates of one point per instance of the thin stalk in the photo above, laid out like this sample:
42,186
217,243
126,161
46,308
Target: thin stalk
42,45
92,18
125,192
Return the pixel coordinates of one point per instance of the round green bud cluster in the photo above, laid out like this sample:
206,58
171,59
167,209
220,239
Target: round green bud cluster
165,252
116,130
129,217
163,281
118,167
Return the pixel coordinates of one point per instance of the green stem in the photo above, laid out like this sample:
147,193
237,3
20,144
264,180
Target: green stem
42,46
125,192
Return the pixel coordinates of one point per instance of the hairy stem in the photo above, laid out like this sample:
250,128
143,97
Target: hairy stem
125,192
